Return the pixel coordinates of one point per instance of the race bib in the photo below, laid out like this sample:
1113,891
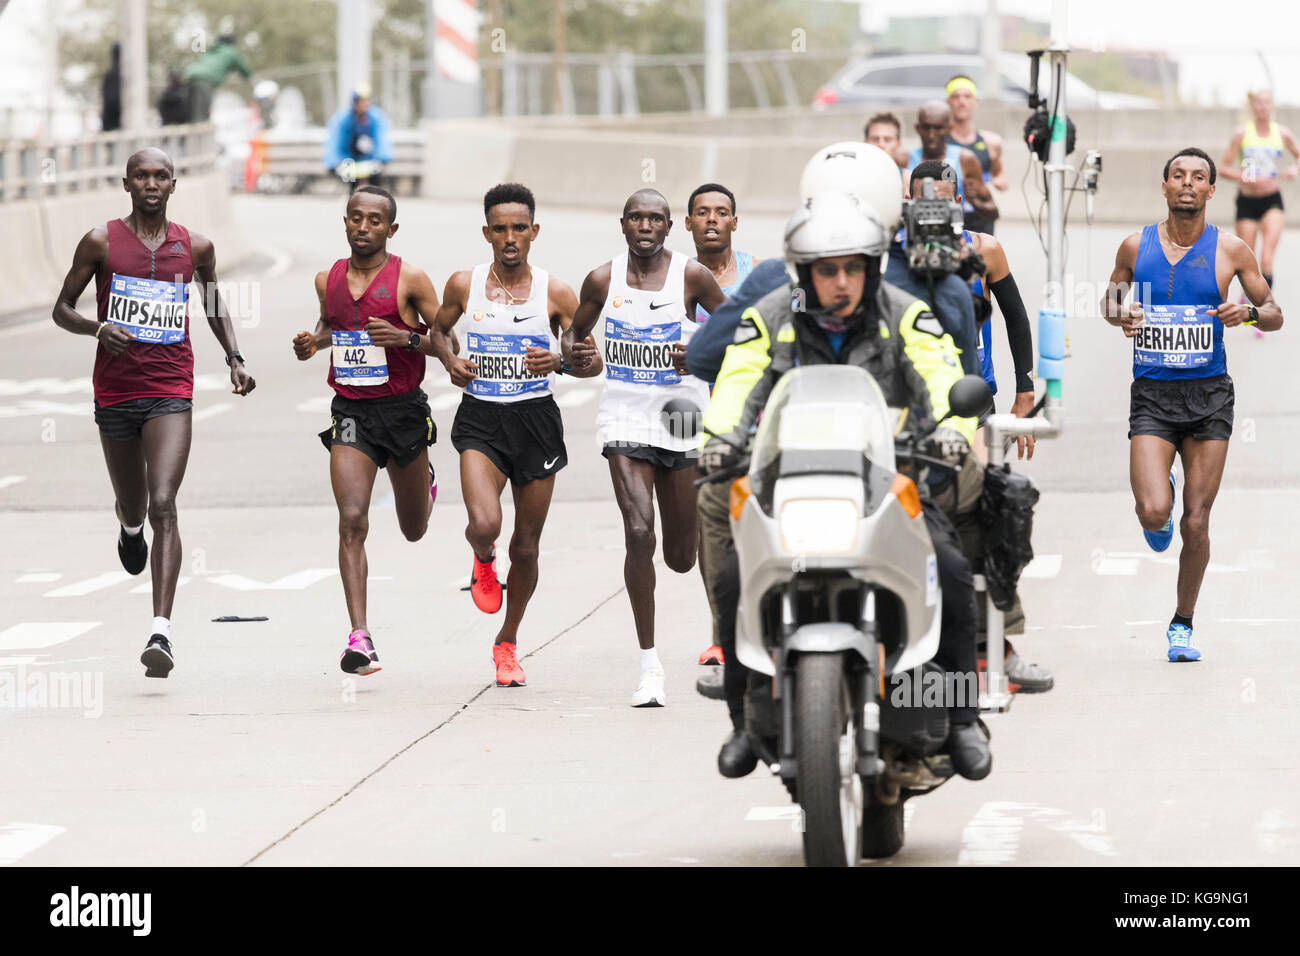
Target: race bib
150,310
500,360
357,361
1174,336
641,354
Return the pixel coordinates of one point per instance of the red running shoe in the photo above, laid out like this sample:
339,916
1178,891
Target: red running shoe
712,655
484,586
509,673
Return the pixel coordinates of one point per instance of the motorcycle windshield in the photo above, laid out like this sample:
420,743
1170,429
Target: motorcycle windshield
826,414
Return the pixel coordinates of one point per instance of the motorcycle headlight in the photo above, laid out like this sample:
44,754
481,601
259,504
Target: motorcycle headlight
819,525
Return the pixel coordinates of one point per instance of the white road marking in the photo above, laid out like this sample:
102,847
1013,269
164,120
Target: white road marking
768,814
38,577
32,635
1140,623
290,582
33,408
1043,566
9,481
1114,565
18,661
212,411
1258,620
23,388
19,839
146,587
1274,832
992,837
90,585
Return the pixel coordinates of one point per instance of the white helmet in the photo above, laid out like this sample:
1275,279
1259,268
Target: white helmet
831,224
861,170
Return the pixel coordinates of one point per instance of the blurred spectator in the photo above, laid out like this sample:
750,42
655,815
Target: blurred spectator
209,71
112,91
174,101
357,141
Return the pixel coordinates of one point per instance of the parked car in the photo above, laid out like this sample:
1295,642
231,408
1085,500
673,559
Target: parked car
915,78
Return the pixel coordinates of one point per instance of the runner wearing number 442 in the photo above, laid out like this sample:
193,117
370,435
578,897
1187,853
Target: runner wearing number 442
373,313
1182,398
508,427
646,300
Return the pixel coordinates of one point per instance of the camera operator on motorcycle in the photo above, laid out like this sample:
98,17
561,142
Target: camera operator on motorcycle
838,310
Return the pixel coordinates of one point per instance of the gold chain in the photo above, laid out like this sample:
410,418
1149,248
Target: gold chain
513,299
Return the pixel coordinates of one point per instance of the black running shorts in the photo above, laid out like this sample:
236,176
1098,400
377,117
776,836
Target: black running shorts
396,427
124,420
1254,207
659,457
524,440
1175,409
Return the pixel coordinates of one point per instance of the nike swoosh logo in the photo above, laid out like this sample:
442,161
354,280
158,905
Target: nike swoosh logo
550,464
525,318
659,305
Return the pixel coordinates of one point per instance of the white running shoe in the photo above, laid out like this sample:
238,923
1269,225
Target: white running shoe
650,692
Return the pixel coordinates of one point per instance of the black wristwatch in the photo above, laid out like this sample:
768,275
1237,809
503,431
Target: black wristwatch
565,368
1253,313
413,340
236,355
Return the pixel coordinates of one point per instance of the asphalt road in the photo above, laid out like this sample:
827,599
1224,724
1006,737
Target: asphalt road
258,749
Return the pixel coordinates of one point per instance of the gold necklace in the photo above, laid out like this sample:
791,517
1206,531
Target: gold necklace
512,299
1174,244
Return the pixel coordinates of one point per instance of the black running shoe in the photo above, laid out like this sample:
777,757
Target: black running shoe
132,551
157,657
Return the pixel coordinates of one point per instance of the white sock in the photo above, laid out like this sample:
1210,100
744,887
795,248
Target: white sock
163,626
650,660
133,531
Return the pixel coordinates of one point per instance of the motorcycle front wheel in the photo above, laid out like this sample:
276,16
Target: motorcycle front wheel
830,790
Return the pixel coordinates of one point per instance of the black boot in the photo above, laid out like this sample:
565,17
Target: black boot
968,746
737,757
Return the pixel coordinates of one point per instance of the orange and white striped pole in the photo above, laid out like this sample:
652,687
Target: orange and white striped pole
455,51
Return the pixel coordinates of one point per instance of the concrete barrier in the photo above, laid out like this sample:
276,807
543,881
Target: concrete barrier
599,164
39,237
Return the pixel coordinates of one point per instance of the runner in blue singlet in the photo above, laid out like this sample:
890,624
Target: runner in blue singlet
711,219
1182,398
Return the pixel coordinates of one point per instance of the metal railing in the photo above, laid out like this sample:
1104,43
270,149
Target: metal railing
36,170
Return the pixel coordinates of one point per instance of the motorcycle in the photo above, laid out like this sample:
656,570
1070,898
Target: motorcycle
840,596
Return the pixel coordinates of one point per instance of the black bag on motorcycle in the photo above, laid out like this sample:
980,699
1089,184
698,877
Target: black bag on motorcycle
1007,523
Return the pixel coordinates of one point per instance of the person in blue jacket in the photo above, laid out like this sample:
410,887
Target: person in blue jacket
358,142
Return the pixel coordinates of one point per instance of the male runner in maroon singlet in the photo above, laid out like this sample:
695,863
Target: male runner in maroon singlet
508,427
374,316
647,307
144,370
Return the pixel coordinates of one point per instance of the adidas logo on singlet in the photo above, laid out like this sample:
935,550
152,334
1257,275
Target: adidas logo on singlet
381,292
1198,263
178,246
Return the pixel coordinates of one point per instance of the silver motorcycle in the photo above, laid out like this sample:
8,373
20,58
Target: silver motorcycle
840,596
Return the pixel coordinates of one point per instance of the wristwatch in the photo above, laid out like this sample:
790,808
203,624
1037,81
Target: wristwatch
1254,315
565,368
236,355
413,340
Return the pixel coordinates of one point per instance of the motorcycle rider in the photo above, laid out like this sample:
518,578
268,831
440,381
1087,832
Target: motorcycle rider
837,309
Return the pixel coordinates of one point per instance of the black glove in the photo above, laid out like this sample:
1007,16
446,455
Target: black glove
717,455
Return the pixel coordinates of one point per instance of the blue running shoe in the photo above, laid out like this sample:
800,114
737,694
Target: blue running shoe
1159,540
1180,644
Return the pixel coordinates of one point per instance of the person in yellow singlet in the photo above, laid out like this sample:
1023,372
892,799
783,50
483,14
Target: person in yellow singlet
1254,159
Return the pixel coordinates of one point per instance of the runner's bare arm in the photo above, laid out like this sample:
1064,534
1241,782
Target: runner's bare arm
1113,310
996,173
90,254
702,289
1246,269
1228,165
1289,141
441,338
564,304
595,289
205,271
977,191
996,267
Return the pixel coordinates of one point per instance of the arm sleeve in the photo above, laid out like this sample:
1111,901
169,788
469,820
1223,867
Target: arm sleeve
708,346
931,366
744,366
1018,334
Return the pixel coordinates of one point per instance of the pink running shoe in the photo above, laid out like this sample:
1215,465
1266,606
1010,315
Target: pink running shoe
360,657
